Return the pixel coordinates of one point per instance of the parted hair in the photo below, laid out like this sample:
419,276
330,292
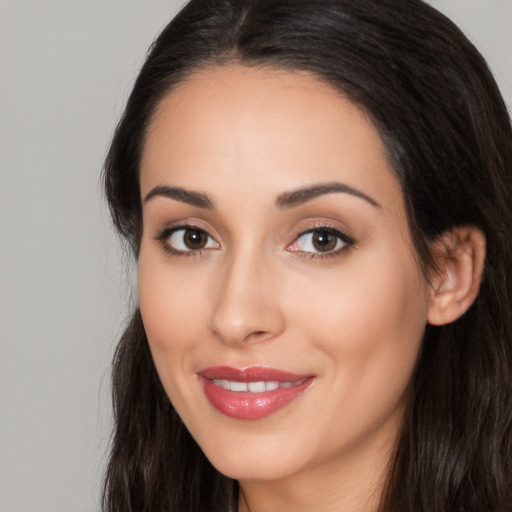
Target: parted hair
448,138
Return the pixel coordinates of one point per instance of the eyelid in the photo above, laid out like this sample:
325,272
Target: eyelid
163,235
346,240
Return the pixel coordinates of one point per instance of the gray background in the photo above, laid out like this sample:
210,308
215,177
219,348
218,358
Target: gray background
65,71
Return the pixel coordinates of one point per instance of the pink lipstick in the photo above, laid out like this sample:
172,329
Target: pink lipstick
251,393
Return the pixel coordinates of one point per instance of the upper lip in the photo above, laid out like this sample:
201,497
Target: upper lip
251,374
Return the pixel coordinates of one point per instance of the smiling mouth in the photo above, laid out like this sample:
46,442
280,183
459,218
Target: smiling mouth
251,393
254,387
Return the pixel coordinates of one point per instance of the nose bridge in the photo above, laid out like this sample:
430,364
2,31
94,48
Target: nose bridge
245,307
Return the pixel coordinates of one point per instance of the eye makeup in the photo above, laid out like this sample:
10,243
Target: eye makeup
321,241
317,241
186,240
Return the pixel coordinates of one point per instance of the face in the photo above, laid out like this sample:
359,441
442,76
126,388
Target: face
278,285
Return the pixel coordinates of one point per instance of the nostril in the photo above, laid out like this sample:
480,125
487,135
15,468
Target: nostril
257,335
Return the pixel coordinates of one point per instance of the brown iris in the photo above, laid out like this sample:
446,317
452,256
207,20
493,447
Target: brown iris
195,239
324,241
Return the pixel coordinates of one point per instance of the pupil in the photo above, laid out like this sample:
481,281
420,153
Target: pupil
324,241
195,239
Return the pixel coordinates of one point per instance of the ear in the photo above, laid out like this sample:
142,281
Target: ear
459,255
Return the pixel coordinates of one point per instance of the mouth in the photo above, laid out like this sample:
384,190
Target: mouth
251,393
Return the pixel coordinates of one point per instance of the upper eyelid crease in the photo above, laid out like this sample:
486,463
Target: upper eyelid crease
162,235
344,237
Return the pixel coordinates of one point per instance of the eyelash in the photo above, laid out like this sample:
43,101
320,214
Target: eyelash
347,241
163,236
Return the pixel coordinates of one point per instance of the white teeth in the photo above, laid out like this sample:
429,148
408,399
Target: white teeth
254,387
238,386
271,385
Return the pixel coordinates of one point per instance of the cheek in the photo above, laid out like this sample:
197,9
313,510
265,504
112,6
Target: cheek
377,295
368,321
369,332
171,312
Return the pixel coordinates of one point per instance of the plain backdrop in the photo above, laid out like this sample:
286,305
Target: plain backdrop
66,68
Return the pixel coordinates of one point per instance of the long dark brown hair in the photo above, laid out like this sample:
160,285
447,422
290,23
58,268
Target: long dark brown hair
448,137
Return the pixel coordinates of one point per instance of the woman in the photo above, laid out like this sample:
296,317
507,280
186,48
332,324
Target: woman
318,195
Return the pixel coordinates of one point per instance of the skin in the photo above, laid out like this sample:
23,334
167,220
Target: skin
260,295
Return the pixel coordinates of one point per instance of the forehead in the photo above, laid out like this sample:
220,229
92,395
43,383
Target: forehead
262,129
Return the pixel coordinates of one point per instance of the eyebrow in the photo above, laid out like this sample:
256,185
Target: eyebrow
180,194
285,200
302,195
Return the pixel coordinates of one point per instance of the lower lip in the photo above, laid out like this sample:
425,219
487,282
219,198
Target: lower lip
245,405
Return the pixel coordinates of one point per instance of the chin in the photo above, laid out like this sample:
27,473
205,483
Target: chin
254,464
262,471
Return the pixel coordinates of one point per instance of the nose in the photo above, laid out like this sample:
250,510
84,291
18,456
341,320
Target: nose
246,307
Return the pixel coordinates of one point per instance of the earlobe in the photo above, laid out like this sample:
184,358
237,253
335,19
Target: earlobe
459,255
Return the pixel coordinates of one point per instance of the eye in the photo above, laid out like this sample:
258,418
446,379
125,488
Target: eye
186,239
321,241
